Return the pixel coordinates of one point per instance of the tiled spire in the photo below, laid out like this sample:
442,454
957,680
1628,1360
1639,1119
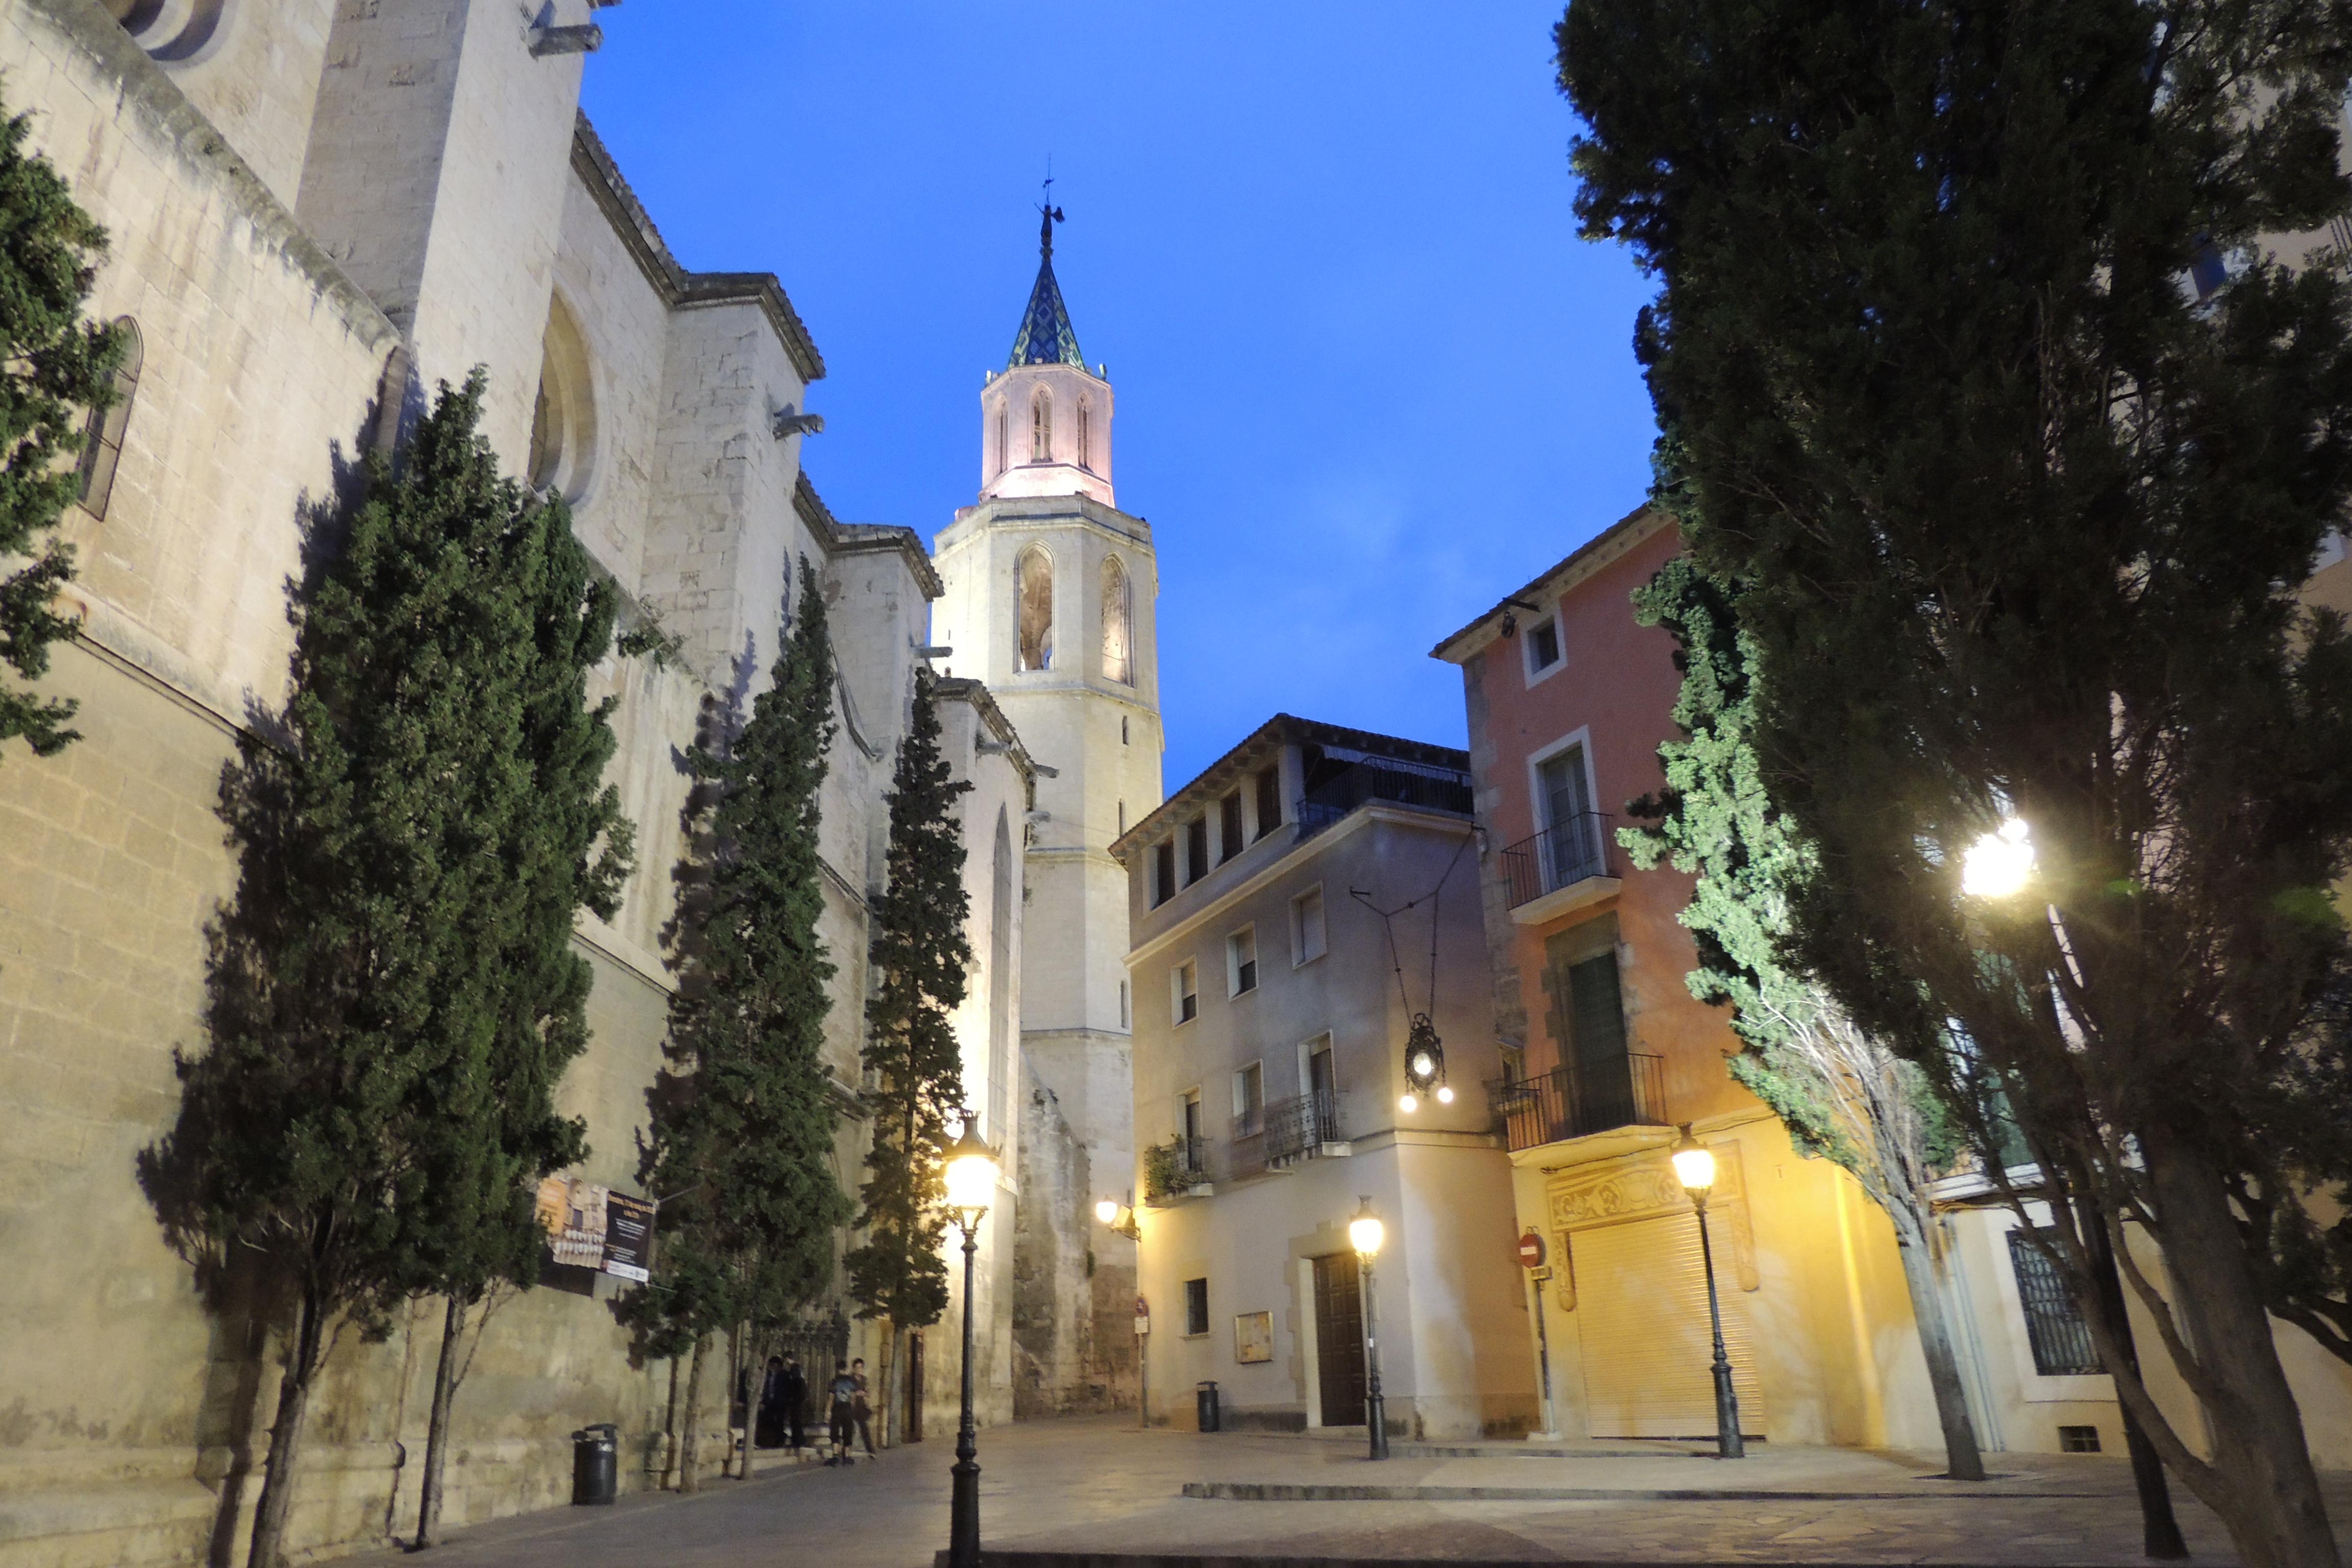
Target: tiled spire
1046,336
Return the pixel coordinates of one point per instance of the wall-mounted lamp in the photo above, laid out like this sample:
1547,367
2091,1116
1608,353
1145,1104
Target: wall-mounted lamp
1119,1218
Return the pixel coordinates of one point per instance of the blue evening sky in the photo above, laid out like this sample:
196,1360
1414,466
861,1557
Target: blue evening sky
1369,379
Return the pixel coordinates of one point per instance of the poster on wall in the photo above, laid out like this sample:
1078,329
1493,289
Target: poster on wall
1254,1337
593,1229
628,1236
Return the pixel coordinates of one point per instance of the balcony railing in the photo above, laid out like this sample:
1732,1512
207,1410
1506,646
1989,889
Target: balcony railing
1572,850
1174,1168
1575,1102
1298,1128
1391,779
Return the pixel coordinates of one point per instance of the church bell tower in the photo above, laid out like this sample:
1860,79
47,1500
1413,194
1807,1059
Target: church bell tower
1050,599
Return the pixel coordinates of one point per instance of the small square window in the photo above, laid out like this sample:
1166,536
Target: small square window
1196,1306
1543,645
2078,1439
1306,936
1186,984
1241,961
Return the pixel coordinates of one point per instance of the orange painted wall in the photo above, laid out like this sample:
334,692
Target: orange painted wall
1618,682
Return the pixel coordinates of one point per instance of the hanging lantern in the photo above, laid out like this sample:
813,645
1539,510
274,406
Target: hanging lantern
1424,1066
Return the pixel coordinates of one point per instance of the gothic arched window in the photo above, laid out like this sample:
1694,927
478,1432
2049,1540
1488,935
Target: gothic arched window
1041,428
1034,611
1117,624
101,435
1085,442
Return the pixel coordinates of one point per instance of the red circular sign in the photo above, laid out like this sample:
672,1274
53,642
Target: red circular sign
1531,1251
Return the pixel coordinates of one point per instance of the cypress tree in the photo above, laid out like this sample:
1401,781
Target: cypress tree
566,848
54,365
378,993
921,957
741,1150
2020,428
1843,1095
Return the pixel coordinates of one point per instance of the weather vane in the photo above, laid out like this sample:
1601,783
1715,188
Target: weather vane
1053,214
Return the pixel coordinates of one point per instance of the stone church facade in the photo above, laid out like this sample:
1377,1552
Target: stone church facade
319,210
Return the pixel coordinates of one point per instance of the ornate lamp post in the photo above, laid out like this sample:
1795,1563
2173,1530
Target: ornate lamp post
1366,1233
972,1186
1694,1168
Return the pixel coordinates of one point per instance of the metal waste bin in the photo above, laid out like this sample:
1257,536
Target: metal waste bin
1205,1396
596,1464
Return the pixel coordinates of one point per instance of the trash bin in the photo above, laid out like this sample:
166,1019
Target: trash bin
596,1464
1206,1397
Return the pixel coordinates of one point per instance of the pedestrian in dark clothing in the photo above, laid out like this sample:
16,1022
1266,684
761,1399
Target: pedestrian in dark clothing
861,1409
793,1396
843,1397
772,1432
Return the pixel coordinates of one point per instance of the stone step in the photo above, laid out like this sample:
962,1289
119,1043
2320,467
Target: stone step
1290,1491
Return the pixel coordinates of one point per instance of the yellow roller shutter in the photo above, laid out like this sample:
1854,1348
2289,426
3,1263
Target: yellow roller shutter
1641,1312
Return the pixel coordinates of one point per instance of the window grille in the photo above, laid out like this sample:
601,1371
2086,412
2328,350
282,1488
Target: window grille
1196,1306
2054,1325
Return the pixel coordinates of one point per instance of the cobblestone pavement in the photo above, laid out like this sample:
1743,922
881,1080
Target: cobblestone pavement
1100,1487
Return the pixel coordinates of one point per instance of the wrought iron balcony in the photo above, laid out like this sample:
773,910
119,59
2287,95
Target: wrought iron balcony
1577,1101
1300,1128
1172,1169
1575,849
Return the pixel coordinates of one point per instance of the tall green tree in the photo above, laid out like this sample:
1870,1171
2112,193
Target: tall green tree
53,366
2021,436
565,846
377,989
921,957
741,1150
1843,1095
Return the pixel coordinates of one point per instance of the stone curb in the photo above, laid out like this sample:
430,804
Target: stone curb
995,1557
1287,1491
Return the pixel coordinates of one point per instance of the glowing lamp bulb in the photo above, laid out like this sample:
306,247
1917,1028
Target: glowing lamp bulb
1408,1103
971,1172
1106,1211
1424,1064
1365,1232
1998,864
1694,1166
1444,1095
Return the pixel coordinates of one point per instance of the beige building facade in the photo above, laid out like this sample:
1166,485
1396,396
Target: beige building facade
1274,902
318,210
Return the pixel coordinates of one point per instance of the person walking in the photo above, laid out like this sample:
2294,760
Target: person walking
772,1405
793,1394
842,1394
861,1409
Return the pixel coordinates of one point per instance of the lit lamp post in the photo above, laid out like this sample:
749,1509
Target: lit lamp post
1694,1168
972,1186
1365,1233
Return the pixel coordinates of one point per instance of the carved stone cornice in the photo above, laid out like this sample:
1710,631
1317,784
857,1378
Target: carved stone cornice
1643,1186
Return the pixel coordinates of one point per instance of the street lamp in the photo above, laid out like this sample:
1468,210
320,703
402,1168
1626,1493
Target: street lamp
1365,1233
972,1186
1998,865
1694,1168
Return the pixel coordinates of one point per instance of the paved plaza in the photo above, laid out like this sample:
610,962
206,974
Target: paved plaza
1099,1493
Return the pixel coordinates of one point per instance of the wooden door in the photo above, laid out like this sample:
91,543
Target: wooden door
1340,1338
